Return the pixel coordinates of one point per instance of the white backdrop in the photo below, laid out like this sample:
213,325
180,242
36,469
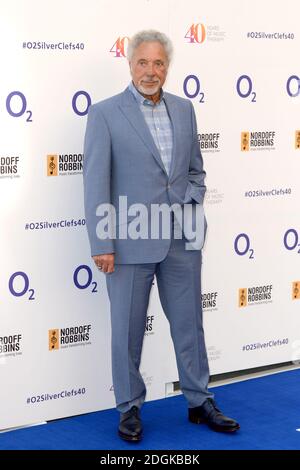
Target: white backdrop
238,63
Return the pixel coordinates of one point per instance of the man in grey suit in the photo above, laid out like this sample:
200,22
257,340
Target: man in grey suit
141,150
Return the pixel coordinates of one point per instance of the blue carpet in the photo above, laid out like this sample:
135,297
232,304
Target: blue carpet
267,408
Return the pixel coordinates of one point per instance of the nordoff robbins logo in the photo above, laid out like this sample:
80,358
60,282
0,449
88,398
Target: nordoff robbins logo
139,221
255,295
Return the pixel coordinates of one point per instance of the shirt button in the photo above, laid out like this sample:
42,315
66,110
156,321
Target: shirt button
168,186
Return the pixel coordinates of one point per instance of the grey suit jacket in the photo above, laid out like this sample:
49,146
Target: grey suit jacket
121,159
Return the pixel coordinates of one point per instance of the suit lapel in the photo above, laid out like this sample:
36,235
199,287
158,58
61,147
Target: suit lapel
133,114
174,115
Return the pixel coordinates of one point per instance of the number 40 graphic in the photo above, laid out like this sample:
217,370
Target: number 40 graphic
196,33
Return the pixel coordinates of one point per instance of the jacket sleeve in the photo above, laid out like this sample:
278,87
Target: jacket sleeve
196,187
96,177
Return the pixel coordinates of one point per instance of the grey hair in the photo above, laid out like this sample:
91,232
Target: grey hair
150,35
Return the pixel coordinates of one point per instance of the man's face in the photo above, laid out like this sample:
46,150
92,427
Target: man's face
149,67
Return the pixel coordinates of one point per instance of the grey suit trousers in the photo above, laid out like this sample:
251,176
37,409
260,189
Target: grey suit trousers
179,284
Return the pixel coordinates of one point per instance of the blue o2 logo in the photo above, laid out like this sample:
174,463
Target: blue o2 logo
291,240
83,278
192,88
244,88
293,86
16,105
82,100
242,246
19,284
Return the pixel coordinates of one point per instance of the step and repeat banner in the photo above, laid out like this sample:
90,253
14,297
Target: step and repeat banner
238,63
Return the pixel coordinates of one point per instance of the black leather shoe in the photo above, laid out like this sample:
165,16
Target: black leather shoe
209,414
130,427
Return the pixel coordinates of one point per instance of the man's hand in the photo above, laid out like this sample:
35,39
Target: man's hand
105,262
